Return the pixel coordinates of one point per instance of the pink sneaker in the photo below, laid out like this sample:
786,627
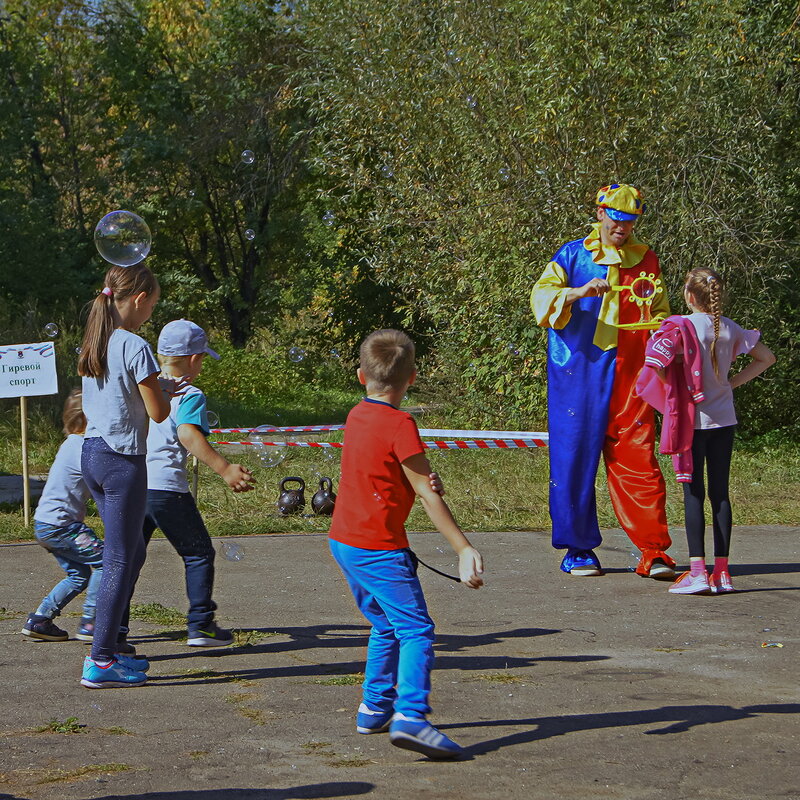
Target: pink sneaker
691,584
721,582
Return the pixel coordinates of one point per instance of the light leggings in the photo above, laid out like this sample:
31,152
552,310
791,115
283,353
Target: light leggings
400,650
118,484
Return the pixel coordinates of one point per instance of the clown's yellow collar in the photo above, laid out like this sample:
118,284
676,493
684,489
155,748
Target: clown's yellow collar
629,255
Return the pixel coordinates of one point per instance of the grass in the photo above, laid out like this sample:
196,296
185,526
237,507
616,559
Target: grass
355,679
6,613
64,775
488,490
245,638
156,614
69,725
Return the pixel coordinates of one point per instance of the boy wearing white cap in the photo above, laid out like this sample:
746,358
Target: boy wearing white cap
182,346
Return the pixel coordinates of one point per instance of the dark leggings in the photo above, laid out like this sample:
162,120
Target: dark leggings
118,484
712,449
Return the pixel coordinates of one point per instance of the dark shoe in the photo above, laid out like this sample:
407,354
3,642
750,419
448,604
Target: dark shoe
124,647
43,628
209,636
85,630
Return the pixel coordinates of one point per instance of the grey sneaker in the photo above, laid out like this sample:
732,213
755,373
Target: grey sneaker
209,636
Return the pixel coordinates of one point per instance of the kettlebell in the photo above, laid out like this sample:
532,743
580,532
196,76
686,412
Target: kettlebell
291,501
324,498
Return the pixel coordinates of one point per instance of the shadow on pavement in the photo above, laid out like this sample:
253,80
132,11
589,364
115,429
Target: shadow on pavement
679,719
305,792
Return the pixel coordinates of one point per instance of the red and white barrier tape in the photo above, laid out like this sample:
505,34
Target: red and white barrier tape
464,444
438,433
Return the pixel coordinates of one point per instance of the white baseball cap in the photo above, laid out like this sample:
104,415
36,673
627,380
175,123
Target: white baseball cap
183,338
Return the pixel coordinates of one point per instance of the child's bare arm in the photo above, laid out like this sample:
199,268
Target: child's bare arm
470,564
762,357
236,476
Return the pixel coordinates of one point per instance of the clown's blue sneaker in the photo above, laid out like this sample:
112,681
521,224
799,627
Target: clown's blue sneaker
370,721
419,735
583,563
111,676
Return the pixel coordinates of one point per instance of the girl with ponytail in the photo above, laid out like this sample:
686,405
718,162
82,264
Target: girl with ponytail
121,391
721,340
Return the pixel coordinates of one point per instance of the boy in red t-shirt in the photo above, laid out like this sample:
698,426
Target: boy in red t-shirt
383,469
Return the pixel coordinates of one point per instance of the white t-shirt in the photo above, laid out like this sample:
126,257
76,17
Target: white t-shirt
112,404
716,410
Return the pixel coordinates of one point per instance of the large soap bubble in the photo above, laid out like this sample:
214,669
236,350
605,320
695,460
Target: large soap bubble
122,238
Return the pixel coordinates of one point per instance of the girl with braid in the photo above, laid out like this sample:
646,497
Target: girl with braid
721,341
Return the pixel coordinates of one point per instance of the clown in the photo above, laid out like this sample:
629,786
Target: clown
583,296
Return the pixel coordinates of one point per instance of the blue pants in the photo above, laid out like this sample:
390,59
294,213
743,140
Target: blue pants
400,651
79,552
177,515
118,484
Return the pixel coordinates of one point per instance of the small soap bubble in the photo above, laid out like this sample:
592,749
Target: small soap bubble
231,551
387,171
122,238
513,349
570,412
248,156
191,192
296,354
78,351
213,419
51,329
505,173
454,57
249,234
334,352
329,218
470,101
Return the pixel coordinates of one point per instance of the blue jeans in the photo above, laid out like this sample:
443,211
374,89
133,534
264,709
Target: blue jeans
177,515
118,484
400,650
79,552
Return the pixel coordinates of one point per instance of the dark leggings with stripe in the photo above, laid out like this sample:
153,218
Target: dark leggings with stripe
712,449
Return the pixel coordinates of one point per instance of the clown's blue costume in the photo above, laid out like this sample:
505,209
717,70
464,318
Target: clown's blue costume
592,407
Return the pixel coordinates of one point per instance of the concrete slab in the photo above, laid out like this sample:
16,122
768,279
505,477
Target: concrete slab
559,687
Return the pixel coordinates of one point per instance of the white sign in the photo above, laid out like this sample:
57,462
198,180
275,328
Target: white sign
27,370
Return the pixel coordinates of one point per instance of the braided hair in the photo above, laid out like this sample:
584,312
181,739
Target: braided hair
706,285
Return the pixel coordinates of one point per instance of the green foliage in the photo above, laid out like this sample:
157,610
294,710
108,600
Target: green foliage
69,725
467,140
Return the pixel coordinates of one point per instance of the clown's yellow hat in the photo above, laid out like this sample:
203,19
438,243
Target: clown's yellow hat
621,201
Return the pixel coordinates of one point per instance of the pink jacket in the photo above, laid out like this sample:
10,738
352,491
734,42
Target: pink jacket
675,396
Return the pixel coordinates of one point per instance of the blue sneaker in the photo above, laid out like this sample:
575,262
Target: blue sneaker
583,563
419,735
111,676
136,664
43,628
210,636
85,630
370,721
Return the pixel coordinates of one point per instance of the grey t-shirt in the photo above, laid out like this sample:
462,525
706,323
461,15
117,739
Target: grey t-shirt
113,404
63,501
166,456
